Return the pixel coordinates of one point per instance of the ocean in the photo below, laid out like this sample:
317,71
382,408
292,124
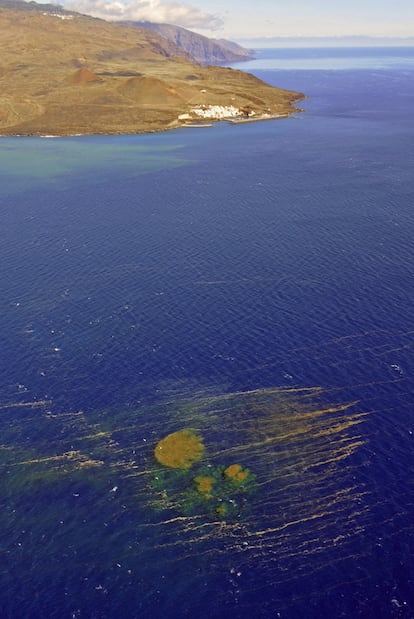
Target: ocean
251,285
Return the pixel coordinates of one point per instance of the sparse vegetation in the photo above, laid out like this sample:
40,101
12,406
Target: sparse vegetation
64,73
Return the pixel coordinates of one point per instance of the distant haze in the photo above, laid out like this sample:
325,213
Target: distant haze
244,19
255,43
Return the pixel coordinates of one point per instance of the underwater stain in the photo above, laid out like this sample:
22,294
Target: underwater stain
179,450
204,485
236,472
208,490
268,473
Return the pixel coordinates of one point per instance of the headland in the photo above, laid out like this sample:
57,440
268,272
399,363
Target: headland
65,73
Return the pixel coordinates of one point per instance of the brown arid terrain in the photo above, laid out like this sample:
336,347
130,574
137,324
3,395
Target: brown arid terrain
64,73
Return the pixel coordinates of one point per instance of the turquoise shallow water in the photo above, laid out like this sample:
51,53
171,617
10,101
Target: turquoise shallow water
29,163
253,283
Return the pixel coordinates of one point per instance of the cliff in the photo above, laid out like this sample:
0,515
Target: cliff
202,49
65,73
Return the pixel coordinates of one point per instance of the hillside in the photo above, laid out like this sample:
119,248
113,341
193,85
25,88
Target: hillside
203,49
65,73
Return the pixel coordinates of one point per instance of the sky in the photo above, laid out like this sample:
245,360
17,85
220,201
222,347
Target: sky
241,19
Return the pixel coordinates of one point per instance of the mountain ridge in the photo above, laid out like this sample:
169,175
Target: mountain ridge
203,49
64,73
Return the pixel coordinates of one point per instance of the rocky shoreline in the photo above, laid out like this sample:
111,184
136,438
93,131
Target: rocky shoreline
87,76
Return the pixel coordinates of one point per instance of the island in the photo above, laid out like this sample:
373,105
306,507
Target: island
64,73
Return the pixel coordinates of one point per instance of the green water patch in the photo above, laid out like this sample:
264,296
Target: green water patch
277,448
217,491
87,507
27,163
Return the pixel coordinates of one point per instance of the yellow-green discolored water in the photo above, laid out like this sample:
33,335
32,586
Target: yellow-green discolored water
275,477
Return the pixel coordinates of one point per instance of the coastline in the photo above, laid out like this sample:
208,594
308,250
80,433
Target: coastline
123,81
51,132
262,117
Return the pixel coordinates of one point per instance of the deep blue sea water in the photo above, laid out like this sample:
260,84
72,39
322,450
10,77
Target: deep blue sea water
252,282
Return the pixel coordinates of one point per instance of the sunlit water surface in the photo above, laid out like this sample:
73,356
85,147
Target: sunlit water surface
253,283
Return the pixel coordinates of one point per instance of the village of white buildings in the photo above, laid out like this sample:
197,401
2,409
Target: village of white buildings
59,15
215,112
